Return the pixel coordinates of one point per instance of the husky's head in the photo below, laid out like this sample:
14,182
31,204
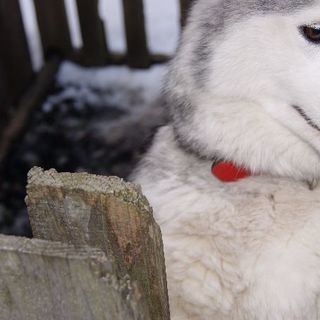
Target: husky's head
245,84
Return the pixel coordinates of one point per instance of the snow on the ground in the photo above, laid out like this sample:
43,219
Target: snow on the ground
134,93
117,85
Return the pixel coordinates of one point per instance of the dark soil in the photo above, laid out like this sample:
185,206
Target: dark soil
75,138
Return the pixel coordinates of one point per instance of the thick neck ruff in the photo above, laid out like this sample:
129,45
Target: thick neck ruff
225,171
229,172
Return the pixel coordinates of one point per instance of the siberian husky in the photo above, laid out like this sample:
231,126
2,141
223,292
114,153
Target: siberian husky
233,176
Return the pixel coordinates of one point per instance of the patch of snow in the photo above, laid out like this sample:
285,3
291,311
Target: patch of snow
136,94
117,85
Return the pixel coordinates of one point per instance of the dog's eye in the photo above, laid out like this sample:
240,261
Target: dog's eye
311,32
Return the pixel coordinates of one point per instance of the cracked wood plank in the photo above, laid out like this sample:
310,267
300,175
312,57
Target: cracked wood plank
56,281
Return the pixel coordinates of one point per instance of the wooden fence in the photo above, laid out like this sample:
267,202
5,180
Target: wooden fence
97,255
15,63
21,89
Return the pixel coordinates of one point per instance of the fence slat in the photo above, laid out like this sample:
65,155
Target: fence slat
56,281
94,51
53,26
105,213
16,68
137,49
184,9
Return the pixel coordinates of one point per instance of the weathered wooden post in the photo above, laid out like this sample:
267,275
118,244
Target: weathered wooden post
104,213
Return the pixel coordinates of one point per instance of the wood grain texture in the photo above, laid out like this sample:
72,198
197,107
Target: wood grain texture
107,213
56,281
137,49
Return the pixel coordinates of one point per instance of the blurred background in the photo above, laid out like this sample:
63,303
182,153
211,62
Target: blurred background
80,88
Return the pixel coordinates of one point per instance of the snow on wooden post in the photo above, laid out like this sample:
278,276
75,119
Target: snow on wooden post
56,281
105,213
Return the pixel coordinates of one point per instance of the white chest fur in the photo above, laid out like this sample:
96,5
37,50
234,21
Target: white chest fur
246,250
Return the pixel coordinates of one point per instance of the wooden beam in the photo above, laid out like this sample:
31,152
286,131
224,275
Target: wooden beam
54,27
30,101
137,49
15,64
56,281
105,213
94,51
